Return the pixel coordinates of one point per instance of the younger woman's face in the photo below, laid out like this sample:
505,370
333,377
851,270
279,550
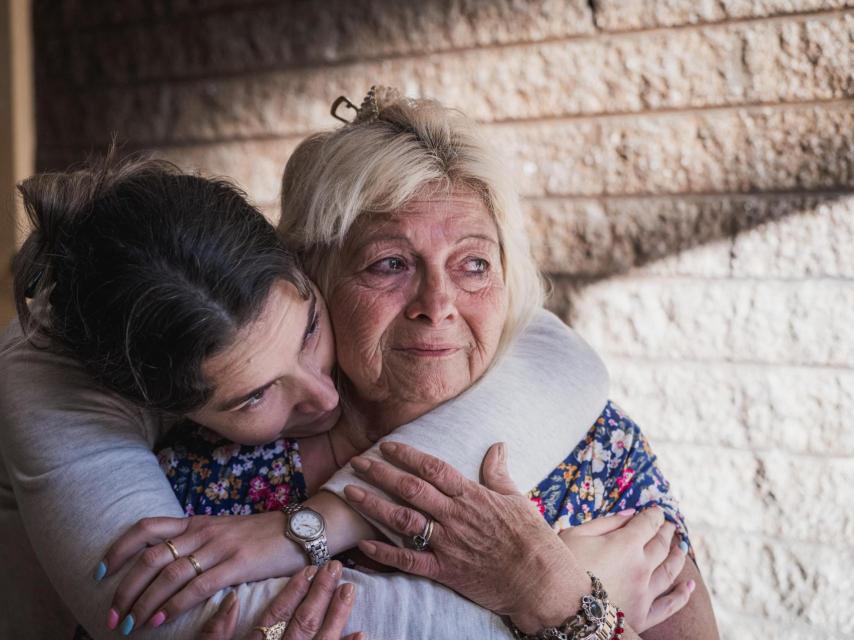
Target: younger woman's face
275,377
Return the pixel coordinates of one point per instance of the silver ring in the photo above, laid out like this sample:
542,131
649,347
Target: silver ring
422,541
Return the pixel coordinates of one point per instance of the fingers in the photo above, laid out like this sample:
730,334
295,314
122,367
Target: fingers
221,625
493,471
146,532
665,574
419,563
601,526
665,606
338,613
417,492
644,525
309,616
404,520
658,547
171,595
437,472
157,576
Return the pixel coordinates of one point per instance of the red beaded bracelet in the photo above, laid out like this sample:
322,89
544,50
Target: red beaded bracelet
618,632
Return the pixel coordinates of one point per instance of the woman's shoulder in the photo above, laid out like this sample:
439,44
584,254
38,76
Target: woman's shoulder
40,386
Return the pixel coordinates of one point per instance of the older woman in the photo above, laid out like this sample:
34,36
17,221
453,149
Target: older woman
145,289
407,217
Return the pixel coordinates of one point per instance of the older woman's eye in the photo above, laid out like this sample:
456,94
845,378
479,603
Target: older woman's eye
393,264
476,266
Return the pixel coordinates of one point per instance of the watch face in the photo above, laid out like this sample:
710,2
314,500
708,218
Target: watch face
306,524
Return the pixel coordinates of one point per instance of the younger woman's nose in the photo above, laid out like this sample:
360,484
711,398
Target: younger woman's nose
319,393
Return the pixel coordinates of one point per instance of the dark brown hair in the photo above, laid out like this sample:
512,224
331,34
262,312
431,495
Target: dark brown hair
141,272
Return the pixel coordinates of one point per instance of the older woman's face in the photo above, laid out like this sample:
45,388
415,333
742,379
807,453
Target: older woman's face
419,304
274,378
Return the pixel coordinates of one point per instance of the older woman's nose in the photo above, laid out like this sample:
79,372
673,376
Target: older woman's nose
433,300
319,393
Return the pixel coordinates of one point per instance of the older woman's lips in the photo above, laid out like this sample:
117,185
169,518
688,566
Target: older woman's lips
429,351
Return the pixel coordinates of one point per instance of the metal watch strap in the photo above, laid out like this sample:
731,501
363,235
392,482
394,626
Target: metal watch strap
317,550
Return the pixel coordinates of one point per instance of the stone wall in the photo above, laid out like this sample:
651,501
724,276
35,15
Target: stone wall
688,173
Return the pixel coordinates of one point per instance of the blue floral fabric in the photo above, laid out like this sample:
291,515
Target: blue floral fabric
613,468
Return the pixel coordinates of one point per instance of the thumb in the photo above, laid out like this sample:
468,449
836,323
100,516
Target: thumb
493,471
221,625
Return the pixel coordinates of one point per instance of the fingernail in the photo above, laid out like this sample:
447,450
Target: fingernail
112,619
683,546
502,452
626,512
230,601
100,571
334,568
347,592
691,586
368,547
127,624
310,572
388,447
360,464
354,493
158,618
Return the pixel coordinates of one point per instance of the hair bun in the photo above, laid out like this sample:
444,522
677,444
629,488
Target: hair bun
379,97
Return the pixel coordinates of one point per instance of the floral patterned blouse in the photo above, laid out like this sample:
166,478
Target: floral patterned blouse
611,469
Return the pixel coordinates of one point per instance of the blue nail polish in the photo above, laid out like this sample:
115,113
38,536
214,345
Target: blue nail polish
100,571
684,547
127,624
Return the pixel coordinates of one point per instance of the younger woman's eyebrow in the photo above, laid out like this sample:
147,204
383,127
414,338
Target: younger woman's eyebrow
228,405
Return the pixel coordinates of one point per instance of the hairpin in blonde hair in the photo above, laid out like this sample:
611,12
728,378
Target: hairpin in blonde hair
377,98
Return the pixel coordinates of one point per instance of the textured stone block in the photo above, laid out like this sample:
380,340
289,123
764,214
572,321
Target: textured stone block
598,238
769,493
256,167
742,321
806,587
780,236
795,409
804,147
199,40
812,238
731,65
643,14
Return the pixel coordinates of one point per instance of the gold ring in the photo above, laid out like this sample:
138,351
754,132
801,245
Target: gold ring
273,633
195,563
172,548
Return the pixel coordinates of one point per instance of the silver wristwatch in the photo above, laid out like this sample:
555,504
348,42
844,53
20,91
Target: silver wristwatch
307,528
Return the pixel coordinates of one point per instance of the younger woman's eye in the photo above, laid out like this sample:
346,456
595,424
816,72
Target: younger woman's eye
254,401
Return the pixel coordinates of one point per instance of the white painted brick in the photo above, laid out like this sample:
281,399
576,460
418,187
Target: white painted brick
794,409
773,322
769,493
805,586
816,238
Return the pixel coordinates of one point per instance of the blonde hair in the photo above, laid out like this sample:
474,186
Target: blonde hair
395,149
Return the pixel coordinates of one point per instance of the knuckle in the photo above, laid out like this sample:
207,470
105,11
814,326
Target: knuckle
407,561
403,519
151,558
410,488
173,573
202,587
308,622
433,469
